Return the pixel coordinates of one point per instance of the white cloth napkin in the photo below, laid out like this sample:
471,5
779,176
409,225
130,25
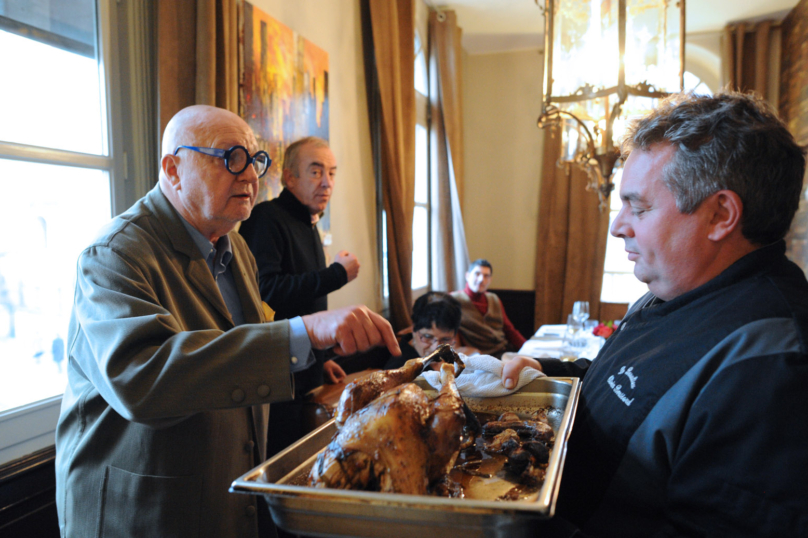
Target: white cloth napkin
482,377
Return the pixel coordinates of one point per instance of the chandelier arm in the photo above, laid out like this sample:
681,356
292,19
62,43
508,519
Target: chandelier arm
550,117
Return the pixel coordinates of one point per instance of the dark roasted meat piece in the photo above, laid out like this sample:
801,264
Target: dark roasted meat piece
400,443
363,391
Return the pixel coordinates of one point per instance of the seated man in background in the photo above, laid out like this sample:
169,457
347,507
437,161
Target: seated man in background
484,324
693,419
435,321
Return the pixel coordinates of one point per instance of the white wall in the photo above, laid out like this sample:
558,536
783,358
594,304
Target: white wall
335,26
503,152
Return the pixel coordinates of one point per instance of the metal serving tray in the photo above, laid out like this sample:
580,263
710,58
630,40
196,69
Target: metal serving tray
331,512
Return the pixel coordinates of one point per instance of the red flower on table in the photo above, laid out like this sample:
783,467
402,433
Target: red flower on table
604,329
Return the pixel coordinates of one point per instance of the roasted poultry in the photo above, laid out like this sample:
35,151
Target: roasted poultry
400,442
363,391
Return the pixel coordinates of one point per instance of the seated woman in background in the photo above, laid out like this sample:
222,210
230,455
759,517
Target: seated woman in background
436,319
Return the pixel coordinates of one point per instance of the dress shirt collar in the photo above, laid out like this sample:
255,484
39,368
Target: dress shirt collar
217,256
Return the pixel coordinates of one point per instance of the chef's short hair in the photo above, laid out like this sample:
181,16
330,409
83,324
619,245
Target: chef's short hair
730,141
436,307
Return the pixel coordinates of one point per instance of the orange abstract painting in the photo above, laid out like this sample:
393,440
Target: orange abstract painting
284,89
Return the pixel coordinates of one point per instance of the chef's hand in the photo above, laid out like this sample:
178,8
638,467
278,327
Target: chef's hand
333,372
350,329
513,365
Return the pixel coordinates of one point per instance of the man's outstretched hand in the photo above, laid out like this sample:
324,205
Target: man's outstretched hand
349,330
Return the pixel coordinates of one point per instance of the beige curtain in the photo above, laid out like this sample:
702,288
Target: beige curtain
393,28
746,57
197,64
571,239
449,252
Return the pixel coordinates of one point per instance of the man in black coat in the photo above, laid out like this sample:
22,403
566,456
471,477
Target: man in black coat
293,278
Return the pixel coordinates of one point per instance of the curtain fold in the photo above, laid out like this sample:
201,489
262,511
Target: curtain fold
197,64
572,235
747,58
393,28
449,250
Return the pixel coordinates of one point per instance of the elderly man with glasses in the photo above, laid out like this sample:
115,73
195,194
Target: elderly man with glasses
171,364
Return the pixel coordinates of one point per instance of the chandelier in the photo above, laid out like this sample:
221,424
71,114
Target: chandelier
605,63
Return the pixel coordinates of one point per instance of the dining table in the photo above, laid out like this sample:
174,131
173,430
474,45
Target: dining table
551,341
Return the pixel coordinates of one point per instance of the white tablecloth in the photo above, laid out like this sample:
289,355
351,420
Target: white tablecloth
548,342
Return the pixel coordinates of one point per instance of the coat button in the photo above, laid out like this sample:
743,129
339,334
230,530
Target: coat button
249,511
294,360
238,395
248,446
263,391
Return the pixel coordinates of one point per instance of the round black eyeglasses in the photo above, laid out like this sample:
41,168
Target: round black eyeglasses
236,159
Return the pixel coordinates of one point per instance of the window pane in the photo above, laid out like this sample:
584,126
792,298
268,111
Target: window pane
621,288
691,81
48,218
53,98
66,23
615,203
619,283
420,248
420,66
421,166
702,89
616,256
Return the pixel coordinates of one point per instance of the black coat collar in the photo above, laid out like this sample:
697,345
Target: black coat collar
289,201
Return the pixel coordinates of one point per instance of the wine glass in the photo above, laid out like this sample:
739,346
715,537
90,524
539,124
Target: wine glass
572,339
580,311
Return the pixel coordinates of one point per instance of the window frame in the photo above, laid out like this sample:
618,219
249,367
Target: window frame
131,125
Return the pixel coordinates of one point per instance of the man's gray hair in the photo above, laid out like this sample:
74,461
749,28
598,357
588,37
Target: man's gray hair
729,141
292,154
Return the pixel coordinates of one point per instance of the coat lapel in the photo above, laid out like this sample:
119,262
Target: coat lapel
196,269
244,275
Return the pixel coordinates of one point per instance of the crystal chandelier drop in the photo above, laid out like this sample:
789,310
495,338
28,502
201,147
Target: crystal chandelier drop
605,63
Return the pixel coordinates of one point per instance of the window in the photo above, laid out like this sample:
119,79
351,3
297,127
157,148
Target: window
619,283
420,218
57,188
695,84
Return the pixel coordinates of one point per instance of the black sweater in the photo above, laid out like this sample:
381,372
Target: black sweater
292,275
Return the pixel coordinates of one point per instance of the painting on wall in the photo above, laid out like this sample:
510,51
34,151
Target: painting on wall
284,91
794,111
